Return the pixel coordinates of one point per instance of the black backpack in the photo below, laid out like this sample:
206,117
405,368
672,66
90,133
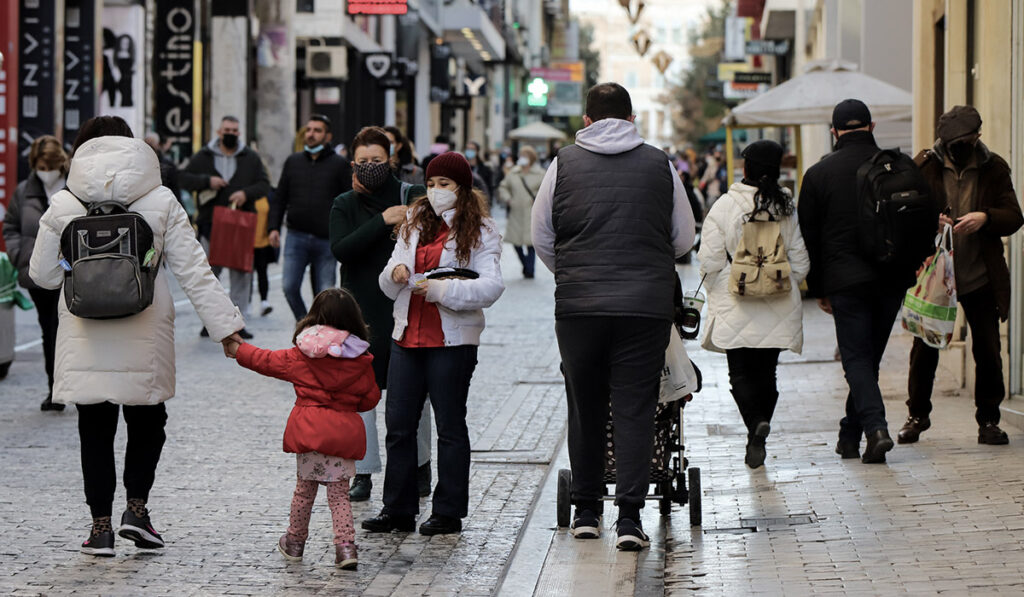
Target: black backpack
897,219
110,264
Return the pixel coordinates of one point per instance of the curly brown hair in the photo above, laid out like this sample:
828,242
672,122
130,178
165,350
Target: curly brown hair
470,211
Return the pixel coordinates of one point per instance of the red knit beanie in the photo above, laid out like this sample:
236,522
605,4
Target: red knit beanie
452,165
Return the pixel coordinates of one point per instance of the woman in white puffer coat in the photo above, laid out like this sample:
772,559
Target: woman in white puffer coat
102,365
752,331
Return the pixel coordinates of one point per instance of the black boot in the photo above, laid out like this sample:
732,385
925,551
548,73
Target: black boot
49,404
359,491
878,444
756,445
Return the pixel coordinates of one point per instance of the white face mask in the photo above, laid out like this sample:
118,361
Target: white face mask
49,177
523,162
441,200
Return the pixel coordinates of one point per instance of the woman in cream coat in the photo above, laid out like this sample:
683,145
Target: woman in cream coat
752,331
517,191
102,365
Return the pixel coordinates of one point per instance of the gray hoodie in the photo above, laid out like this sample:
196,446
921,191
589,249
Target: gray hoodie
609,136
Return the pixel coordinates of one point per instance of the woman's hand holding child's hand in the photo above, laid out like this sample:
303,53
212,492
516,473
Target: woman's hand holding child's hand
231,344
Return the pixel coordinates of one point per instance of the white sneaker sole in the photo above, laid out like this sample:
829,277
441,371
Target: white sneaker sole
142,538
632,543
586,532
103,552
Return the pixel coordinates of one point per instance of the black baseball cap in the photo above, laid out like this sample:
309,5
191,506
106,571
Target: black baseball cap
850,114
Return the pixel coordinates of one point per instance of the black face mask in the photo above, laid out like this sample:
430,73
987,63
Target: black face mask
373,175
229,141
960,152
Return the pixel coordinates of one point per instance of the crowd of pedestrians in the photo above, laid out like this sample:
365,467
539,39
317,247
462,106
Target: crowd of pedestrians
419,261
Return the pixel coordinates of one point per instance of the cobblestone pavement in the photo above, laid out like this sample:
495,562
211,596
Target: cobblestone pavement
223,486
944,516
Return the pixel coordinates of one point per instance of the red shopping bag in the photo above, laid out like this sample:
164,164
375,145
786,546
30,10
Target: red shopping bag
231,238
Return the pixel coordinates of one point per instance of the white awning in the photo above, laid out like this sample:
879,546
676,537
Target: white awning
536,131
810,98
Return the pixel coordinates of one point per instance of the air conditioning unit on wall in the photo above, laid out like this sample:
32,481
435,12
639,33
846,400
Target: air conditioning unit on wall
327,62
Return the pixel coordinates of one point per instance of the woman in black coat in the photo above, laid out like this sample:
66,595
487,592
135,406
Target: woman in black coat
21,224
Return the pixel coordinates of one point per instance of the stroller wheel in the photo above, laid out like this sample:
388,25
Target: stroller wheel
665,503
563,504
696,516
680,496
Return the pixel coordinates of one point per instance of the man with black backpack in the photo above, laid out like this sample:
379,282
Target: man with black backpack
844,221
973,187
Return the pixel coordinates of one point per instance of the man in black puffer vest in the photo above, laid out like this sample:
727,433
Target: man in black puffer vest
609,219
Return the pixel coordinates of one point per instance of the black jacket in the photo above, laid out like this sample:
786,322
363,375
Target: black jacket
21,224
250,177
306,191
169,174
828,210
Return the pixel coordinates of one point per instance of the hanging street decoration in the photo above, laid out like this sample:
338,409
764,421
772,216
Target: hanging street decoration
642,42
662,60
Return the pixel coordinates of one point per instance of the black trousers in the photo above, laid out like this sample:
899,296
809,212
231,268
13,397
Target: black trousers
863,324
444,374
616,360
754,388
46,310
983,319
97,425
261,258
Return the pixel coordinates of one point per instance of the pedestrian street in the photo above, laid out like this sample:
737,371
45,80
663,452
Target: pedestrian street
943,516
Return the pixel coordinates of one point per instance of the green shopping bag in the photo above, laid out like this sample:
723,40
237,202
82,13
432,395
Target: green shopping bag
929,309
9,293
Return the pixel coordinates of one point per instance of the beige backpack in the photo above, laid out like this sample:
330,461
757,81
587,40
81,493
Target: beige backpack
760,267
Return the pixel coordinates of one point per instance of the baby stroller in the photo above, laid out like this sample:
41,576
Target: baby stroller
669,465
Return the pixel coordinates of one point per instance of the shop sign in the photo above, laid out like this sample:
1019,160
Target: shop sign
173,74
36,70
79,66
770,47
378,7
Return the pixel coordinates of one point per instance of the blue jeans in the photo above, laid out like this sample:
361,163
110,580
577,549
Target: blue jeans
371,462
527,256
301,250
863,325
445,374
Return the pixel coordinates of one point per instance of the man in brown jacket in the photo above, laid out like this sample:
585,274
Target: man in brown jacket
973,189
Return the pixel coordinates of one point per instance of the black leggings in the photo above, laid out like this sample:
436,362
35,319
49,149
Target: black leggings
46,310
97,425
754,388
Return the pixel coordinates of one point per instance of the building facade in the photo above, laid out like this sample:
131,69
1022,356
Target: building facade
971,52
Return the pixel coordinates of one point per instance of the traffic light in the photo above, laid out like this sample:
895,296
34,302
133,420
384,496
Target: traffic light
538,93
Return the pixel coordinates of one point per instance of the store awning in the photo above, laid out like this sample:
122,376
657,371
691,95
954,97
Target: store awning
810,98
719,137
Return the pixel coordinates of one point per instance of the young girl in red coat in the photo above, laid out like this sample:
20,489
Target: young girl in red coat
334,381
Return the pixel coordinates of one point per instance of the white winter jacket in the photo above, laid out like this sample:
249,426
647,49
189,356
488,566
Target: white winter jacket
128,360
748,322
460,302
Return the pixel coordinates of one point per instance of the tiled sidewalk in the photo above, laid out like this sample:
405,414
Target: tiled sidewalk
944,516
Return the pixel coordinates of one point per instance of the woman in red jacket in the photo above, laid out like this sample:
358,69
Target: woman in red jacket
334,381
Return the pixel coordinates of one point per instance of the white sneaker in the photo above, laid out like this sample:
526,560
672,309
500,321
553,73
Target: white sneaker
631,536
586,525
